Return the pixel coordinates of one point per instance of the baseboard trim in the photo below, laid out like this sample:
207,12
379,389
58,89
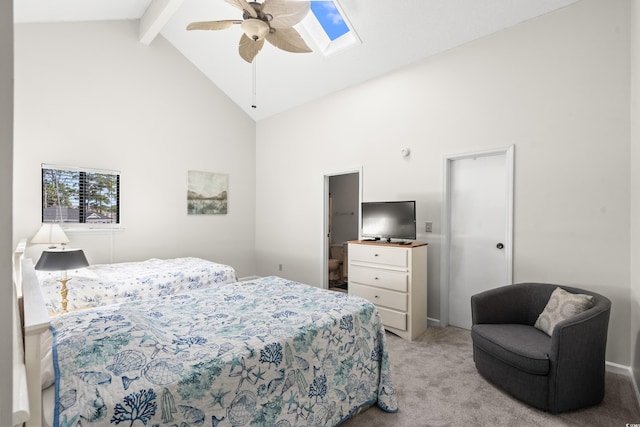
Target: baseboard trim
433,322
616,368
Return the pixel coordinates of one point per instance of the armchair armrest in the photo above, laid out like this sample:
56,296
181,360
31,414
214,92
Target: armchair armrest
578,347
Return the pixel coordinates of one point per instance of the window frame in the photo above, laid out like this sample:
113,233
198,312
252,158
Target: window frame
315,32
83,204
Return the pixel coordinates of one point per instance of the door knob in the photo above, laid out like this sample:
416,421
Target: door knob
500,246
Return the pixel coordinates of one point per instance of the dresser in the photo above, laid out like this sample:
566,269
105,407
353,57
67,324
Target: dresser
394,278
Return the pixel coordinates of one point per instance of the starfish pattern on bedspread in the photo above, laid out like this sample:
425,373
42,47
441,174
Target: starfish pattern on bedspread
270,352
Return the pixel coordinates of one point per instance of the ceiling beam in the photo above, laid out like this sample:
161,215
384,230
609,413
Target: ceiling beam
155,17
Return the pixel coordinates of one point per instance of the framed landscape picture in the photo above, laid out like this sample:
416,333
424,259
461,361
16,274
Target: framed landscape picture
207,193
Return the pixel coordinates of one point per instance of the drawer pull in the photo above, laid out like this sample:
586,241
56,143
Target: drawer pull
375,254
375,278
376,296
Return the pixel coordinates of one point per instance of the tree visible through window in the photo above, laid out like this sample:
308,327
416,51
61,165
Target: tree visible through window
81,196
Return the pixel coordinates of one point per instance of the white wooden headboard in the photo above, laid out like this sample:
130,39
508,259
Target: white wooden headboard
36,322
30,321
18,255
20,395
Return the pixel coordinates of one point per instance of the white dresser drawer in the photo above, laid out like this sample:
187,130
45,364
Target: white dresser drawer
394,278
388,279
385,255
393,319
380,297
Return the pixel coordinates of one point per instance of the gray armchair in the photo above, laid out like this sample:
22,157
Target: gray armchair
557,373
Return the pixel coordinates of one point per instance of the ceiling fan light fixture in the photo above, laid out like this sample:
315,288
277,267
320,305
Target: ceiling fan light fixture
271,21
255,29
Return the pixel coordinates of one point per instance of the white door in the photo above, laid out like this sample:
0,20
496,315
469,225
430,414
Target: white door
479,225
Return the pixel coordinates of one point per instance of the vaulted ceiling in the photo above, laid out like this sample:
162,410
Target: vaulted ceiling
393,34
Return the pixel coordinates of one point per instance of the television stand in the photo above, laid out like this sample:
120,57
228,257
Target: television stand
394,278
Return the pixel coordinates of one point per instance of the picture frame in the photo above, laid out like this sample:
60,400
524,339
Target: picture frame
207,193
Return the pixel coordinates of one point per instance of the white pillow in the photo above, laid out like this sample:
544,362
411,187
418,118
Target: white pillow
561,306
47,373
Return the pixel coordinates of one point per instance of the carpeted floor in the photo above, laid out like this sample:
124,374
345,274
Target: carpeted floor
438,385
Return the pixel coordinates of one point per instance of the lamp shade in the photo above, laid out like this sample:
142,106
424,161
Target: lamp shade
50,233
58,260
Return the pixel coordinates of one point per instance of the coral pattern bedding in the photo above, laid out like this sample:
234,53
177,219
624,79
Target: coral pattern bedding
270,352
104,284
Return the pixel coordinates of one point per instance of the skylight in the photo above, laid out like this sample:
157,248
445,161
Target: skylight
329,18
328,27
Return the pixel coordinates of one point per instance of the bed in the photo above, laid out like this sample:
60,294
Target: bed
104,284
266,352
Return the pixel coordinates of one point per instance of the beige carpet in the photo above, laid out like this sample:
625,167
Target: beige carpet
438,385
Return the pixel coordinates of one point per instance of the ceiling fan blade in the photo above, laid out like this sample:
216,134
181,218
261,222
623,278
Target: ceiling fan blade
248,48
244,6
285,13
212,25
288,39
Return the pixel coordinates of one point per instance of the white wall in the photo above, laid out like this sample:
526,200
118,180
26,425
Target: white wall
635,189
557,87
89,94
6,180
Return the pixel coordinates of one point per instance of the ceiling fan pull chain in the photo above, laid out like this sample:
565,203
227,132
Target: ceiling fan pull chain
253,103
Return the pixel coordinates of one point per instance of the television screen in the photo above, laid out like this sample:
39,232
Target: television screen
389,220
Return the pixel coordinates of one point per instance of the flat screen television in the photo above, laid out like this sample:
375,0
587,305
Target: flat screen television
389,220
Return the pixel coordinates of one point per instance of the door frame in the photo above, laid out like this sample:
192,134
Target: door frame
325,217
445,261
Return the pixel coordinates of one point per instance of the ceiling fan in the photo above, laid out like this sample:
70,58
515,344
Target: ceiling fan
272,20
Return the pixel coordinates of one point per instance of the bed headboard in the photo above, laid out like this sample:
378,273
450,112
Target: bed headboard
20,395
18,256
30,321
36,322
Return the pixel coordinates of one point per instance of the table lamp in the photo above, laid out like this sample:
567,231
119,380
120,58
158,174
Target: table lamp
51,234
62,260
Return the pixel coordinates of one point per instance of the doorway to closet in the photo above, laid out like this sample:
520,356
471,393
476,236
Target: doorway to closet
478,229
342,192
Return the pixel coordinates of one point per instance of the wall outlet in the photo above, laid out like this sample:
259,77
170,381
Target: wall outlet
279,267
428,227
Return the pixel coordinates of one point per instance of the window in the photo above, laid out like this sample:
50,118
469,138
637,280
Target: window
80,195
329,18
328,26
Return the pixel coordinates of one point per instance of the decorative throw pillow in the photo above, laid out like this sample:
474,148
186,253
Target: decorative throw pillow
561,306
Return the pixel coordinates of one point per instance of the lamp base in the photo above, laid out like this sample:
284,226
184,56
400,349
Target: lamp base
63,292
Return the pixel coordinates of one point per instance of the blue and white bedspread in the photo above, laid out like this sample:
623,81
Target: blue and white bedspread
270,352
104,284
